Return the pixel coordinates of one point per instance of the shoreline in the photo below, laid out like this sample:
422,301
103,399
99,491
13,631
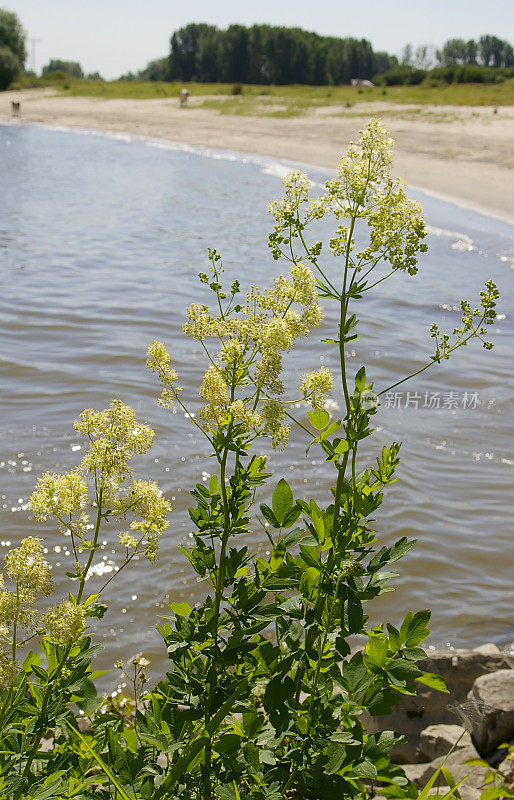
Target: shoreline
467,159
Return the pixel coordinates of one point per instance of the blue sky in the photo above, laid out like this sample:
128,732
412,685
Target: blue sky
115,36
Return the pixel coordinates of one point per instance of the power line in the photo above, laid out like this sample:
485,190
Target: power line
33,41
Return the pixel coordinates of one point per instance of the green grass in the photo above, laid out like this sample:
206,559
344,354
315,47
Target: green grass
289,100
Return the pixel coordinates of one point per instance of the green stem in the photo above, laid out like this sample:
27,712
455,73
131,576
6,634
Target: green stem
219,587
60,666
4,707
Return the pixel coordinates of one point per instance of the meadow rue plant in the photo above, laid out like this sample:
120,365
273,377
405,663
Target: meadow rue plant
264,696
100,492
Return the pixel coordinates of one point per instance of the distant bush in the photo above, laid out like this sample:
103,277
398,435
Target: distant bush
55,77
237,89
471,73
454,73
401,76
157,70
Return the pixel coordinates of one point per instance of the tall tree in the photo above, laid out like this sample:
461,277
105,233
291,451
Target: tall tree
12,48
495,52
12,35
184,48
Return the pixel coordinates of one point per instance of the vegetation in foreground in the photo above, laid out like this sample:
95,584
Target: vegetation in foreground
264,696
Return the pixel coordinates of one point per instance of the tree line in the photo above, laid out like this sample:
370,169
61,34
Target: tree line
265,54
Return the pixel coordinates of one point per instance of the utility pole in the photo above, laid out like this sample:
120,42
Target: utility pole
33,43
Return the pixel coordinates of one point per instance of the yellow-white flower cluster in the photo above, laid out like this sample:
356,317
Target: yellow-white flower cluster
115,436
158,360
64,622
364,188
214,391
145,499
253,341
27,567
315,386
273,413
58,495
361,171
9,669
200,322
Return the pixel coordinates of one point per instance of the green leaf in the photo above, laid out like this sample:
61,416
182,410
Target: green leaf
50,787
414,628
331,429
365,770
277,556
88,694
434,681
269,515
404,670
492,792
291,516
382,703
360,380
311,556
394,637
278,691
181,609
309,580
282,500
352,616
336,753
376,651
227,743
319,418
388,555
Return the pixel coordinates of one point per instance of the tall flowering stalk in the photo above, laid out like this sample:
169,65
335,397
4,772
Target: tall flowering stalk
299,697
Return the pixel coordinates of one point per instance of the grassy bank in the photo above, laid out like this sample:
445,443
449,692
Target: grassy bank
290,100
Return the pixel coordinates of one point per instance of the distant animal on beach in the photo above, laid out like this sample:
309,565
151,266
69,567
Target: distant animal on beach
360,82
15,108
184,96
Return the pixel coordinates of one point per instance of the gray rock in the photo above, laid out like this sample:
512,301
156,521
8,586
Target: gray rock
487,648
494,698
84,724
459,669
47,743
438,740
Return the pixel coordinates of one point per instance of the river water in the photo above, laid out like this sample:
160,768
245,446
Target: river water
101,240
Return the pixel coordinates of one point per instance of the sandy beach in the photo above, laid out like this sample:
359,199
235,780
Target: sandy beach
465,154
